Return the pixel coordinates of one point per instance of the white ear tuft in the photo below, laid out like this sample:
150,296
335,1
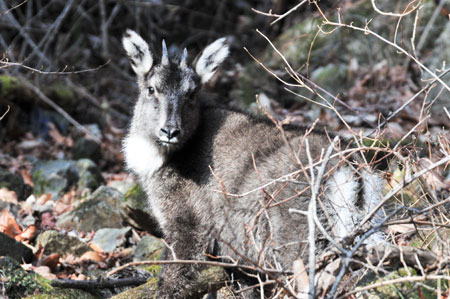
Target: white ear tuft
138,51
212,56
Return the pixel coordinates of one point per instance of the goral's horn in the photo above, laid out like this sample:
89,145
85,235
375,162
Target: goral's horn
183,62
165,54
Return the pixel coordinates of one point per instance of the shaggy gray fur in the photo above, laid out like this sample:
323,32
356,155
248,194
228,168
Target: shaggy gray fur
186,151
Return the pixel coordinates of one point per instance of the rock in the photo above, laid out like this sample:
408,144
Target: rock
136,212
56,242
95,130
29,220
100,210
54,177
86,148
122,186
15,281
108,239
16,250
11,207
89,176
14,183
149,248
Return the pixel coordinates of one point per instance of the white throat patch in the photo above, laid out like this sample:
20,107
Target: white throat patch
142,156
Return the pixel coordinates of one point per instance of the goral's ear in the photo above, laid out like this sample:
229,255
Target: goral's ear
138,52
211,58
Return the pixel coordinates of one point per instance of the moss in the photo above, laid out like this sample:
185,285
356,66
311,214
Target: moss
147,290
16,282
63,93
38,181
136,197
59,293
153,269
8,84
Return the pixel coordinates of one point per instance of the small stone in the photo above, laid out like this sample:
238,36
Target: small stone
29,220
100,210
56,242
108,239
149,248
89,175
86,148
54,177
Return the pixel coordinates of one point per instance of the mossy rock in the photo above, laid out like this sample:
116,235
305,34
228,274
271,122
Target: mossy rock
18,283
54,177
149,248
63,95
100,210
89,175
58,293
147,290
8,84
134,210
210,278
56,242
136,197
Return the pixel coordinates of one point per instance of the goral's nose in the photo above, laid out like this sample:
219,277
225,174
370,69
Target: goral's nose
170,132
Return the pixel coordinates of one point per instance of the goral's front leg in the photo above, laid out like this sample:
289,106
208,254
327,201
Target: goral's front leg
178,280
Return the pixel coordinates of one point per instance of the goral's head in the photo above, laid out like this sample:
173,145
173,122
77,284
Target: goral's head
167,108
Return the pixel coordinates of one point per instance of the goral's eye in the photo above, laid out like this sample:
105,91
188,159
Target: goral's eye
151,90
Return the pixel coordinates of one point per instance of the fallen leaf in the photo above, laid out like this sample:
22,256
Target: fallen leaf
28,234
51,261
301,278
402,228
43,198
8,196
26,177
81,277
8,224
91,256
45,272
326,278
69,259
60,208
27,267
57,137
434,177
62,275
96,248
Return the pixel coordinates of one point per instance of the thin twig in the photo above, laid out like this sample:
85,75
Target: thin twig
394,14
12,8
197,262
5,63
288,12
6,112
